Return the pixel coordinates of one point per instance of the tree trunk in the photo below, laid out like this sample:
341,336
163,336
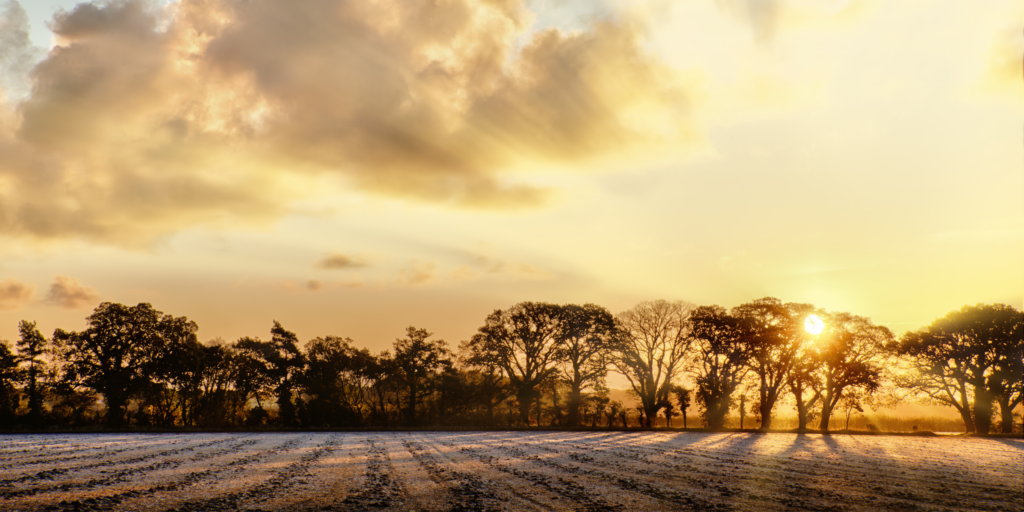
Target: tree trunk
115,410
35,409
982,410
1006,413
410,414
801,412
965,410
524,398
764,407
649,415
829,403
575,400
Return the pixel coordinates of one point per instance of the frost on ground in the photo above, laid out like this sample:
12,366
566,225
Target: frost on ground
492,471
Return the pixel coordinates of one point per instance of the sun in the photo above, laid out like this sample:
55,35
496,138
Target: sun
813,324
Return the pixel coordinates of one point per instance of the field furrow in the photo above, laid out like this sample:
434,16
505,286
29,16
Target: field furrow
508,471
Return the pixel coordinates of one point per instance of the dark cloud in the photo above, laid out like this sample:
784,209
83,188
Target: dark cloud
14,293
67,292
148,119
339,260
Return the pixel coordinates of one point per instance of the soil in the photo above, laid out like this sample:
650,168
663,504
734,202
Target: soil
508,471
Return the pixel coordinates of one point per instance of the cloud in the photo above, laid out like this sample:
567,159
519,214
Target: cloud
418,273
337,260
482,265
17,55
767,18
14,294
67,292
1004,76
761,15
145,119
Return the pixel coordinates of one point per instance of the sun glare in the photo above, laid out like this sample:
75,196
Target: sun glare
813,324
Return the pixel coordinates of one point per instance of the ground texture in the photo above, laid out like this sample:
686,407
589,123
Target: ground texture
513,471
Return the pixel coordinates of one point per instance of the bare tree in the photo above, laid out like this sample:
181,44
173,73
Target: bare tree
651,348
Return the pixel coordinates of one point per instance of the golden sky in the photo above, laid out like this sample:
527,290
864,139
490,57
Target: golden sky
355,167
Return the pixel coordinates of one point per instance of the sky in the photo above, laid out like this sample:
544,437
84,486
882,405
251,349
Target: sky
356,167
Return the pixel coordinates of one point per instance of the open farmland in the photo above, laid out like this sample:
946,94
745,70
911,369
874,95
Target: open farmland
585,471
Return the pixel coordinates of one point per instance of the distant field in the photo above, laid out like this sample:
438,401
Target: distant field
584,471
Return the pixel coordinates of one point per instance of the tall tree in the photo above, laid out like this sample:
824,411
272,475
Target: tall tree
280,361
1007,379
31,348
9,375
851,351
654,340
217,403
523,341
335,394
419,362
490,385
774,335
720,361
587,334
956,358
115,355
178,368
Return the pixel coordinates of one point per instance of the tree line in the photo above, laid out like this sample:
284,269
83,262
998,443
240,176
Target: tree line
532,364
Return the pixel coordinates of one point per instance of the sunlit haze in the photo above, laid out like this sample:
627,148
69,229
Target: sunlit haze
354,168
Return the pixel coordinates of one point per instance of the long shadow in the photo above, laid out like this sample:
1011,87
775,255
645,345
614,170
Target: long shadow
1017,444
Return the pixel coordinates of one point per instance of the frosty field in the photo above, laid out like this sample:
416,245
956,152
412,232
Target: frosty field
585,471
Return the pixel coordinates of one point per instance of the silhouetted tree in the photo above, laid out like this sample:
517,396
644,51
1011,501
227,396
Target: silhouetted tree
852,401
279,361
177,371
682,396
115,355
523,341
650,350
335,393
9,375
217,403
720,362
32,346
960,350
489,384
804,381
587,334
418,363
774,333
1007,380
850,349
250,377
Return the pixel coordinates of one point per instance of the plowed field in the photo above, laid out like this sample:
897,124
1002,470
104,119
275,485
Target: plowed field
491,471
